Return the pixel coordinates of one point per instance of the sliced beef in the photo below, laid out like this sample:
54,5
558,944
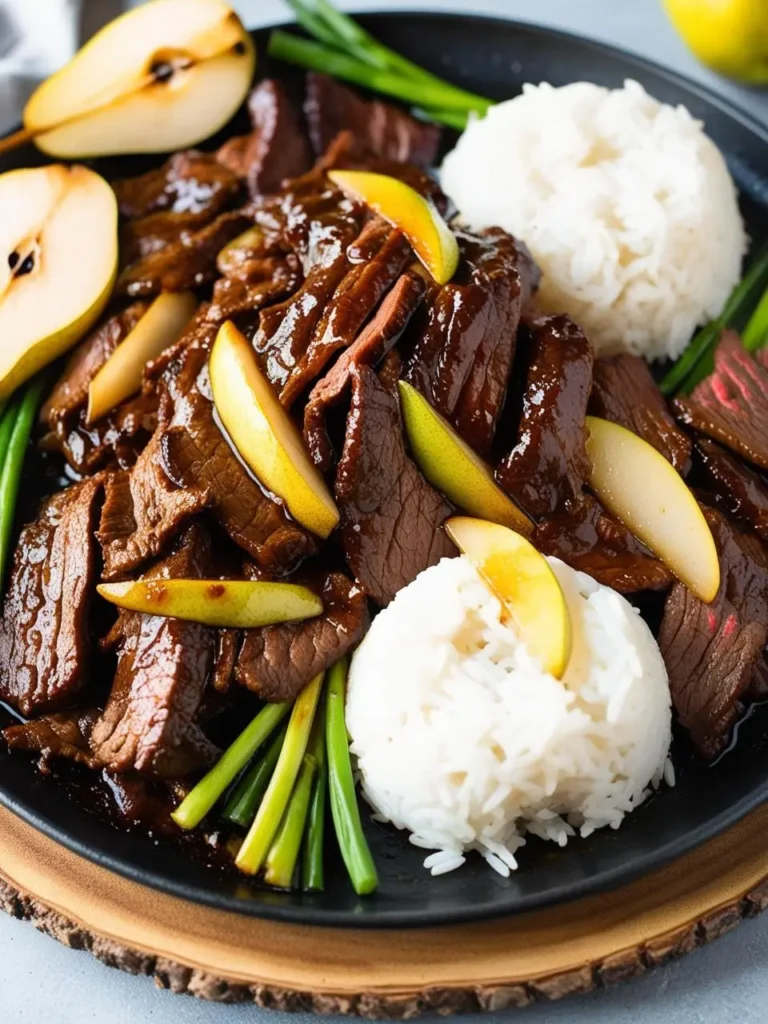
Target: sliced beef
195,454
267,281
296,339
391,518
276,149
584,536
548,465
731,405
189,183
187,262
115,438
462,355
743,491
370,346
277,662
163,664
385,130
712,651
65,735
44,636
143,509
624,391
227,645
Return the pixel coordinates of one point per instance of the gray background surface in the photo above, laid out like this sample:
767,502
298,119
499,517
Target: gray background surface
728,981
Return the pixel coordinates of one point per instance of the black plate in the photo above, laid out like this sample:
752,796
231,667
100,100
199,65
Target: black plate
493,58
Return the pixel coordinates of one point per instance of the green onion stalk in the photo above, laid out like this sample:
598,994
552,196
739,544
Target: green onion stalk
697,362
235,759
755,334
15,431
269,816
344,808
313,860
242,804
280,866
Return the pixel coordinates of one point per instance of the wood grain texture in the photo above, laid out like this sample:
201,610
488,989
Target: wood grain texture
489,967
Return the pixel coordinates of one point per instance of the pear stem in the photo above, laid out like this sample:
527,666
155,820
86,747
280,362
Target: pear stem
16,139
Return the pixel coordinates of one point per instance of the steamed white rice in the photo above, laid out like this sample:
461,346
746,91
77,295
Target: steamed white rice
464,740
625,203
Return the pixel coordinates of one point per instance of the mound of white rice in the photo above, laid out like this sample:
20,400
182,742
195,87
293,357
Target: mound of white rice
464,740
625,203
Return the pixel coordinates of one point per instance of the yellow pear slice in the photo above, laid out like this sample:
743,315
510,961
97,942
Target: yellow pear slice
524,582
161,77
58,260
265,435
635,483
235,604
450,465
430,237
121,375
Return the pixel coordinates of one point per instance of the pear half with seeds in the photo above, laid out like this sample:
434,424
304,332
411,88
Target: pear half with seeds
161,77
58,260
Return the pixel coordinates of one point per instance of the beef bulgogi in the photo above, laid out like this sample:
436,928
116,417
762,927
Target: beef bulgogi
338,309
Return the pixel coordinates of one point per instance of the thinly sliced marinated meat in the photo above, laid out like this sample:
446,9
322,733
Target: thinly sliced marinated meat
277,662
343,286
270,280
586,538
44,636
276,149
462,356
188,183
371,345
624,391
149,723
187,262
143,509
70,392
115,438
548,465
331,108
197,455
731,405
227,644
391,518
712,651
744,492
65,735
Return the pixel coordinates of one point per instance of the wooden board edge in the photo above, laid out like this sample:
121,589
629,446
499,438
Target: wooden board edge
621,966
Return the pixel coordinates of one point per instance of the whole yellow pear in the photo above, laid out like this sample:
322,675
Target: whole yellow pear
729,36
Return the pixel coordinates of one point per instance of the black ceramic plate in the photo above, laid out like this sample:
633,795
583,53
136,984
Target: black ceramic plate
493,58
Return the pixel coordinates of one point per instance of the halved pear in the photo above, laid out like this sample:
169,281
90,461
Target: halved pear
430,237
121,375
450,465
265,435
524,582
58,261
233,604
161,77
636,484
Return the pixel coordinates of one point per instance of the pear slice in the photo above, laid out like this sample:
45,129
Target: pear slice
58,260
234,604
524,582
430,237
159,78
264,434
121,375
450,465
636,484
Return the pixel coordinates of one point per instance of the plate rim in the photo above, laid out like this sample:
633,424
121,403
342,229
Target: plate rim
608,880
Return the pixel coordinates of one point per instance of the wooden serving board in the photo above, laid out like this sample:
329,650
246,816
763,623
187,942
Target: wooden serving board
396,974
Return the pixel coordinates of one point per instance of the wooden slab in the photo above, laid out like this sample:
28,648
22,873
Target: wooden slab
396,974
